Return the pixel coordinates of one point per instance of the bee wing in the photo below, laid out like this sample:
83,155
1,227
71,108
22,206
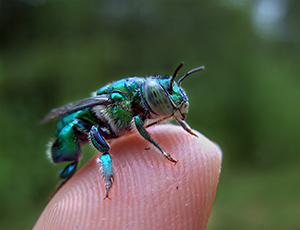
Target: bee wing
75,106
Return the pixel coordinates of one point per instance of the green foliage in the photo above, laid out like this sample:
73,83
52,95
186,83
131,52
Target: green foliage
247,99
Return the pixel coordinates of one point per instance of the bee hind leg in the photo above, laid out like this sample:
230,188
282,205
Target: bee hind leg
65,174
66,148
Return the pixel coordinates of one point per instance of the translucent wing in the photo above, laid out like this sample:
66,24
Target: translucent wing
75,106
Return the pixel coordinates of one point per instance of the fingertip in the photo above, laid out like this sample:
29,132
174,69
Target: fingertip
148,190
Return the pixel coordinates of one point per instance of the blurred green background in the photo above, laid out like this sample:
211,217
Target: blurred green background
247,100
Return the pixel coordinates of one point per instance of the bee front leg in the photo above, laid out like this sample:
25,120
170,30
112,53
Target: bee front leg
99,142
147,136
186,127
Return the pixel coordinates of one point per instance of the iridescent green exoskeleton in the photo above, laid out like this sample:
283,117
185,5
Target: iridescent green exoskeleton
113,111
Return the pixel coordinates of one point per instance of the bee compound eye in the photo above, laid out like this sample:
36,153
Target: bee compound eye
157,98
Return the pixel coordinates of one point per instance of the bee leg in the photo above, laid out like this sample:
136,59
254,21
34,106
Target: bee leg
107,172
66,148
147,136
99,142
186,127
66,173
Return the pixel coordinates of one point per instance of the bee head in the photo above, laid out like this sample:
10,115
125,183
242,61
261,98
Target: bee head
165,97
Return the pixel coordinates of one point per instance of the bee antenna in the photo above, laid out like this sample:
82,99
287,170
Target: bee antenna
189,73
174,76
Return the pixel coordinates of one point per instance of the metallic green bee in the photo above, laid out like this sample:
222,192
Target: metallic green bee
113,111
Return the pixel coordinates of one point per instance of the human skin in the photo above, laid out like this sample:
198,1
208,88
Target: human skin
148,192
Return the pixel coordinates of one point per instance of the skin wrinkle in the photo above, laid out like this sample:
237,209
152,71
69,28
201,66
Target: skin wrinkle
133,179
150,185
91,198
190,186
52,216
144,194
61,215
121,177
185,171
88,197
72,196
